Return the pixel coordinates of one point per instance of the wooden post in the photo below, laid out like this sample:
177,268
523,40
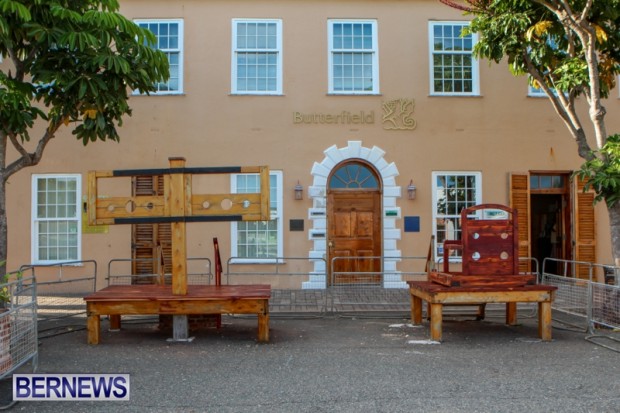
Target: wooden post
115,322
511,313
93,324
177,194
416,310
436,321
544,320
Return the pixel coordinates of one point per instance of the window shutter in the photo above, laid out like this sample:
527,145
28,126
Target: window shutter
585,237
520,200
146,237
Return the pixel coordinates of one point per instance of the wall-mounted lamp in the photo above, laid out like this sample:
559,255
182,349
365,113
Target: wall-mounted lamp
411,190
299,192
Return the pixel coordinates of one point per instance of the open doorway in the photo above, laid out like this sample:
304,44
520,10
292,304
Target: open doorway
550,218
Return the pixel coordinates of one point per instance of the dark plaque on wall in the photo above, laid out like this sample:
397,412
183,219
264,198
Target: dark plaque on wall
296,225
412,224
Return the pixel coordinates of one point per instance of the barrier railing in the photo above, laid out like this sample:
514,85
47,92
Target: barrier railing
287,276
61,288
119,272
382,290
591,304
18,324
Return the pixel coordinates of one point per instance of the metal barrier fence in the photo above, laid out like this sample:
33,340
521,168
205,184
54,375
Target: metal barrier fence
384,290
300,284
18,323
591,305
287,276
60,298
120,272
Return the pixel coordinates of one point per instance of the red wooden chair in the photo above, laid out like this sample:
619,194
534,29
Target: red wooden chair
489,251
489,248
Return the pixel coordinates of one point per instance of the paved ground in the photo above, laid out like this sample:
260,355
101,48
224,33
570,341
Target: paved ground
337,364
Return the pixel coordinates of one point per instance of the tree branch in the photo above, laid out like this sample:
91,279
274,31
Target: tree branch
30,159
582,28
17,145
565,108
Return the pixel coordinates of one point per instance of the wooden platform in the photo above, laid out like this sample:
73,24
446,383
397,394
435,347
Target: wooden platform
456,280
437,295
117,300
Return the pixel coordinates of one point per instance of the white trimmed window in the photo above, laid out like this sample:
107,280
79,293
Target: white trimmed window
258,241
257,57
56,218
169,35
454,70
452,191
353,57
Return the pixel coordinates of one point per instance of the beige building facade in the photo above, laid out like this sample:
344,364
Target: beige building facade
355,102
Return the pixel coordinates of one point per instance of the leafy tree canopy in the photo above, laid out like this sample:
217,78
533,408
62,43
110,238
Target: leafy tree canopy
553,38
569,49
72,61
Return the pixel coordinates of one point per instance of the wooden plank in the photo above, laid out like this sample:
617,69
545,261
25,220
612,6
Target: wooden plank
179,244
180,307
92,198
160,292
226,204
456,280
265,189
492,297
134,206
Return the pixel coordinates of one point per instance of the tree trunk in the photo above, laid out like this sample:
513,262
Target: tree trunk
3,227
614,228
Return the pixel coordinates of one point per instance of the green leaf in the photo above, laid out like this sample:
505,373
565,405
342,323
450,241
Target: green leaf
16,8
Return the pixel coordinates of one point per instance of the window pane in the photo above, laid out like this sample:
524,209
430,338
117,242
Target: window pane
168,40
56,221
452,54
545,181
257,71
260,240
453,193
352,70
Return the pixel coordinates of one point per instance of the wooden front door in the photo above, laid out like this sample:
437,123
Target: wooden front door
354,235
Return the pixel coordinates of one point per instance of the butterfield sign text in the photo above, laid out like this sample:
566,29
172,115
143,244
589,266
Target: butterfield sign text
343,118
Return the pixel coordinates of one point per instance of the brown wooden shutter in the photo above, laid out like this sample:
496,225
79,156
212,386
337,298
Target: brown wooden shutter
147,237
520,200
585,236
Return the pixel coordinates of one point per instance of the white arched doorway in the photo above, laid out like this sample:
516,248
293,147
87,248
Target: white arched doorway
318,213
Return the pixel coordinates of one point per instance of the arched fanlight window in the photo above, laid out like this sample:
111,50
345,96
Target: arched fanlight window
353,175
